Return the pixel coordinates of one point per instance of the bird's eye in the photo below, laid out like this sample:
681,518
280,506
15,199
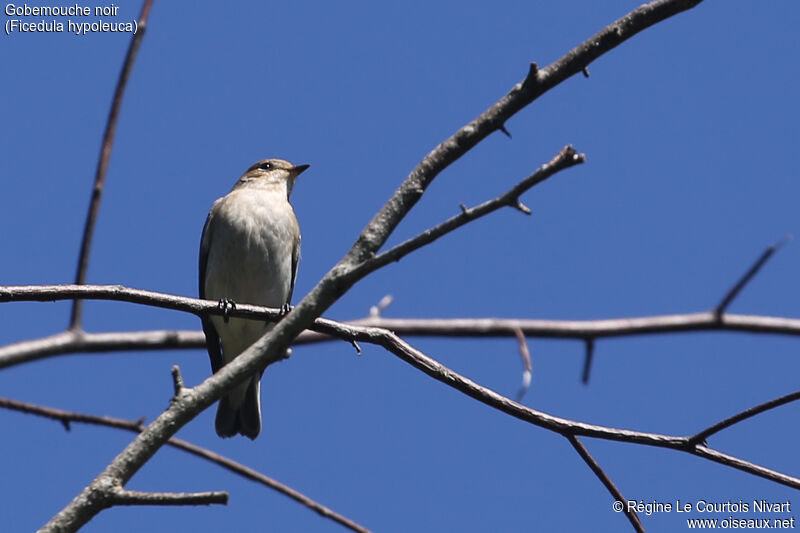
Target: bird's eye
266,166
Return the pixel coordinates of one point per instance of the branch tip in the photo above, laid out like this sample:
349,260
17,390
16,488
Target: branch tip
519,206
564,159
585,72
533,71
356,346
527,364
177,380
377,310
527,377
719,310
504,130
700,438
783,242
587,361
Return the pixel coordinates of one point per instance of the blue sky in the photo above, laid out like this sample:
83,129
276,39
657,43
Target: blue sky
688,128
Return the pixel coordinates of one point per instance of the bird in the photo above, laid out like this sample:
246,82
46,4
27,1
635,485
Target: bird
249,253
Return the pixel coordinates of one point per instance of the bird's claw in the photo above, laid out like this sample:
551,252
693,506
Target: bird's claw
226,304
285,308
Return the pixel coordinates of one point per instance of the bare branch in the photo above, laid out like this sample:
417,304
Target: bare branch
135,497
736,289
578,329
355,332
65,417
484,327
603,477
449,377
102,164
258,477
79,341
536,83
566,158
745,466
72,341
51,293
566,427
701,437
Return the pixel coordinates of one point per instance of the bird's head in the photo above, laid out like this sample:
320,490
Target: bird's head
272,172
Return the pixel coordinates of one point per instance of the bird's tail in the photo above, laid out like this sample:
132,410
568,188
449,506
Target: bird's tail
244,419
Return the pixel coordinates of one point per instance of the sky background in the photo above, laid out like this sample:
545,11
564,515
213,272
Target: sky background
689,130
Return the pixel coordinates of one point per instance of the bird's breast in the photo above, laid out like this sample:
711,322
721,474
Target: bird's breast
251,248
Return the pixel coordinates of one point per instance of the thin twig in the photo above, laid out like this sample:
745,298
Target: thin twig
701,437
736,289
449,377
356,346
65,417
177,380
603,477
135,497
527,371
745,466
566,158
380,307
102,164
588,359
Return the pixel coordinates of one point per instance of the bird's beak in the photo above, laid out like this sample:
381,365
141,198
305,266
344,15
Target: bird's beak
297,170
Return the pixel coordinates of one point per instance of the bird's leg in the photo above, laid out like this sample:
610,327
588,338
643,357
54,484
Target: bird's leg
285,308
226,304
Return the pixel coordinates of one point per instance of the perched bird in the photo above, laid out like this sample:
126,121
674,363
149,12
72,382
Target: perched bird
248,254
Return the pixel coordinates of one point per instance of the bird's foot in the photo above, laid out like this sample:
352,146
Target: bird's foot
285,308
226,304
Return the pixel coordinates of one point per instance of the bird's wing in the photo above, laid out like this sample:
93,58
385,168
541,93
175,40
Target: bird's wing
295,264
212,337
